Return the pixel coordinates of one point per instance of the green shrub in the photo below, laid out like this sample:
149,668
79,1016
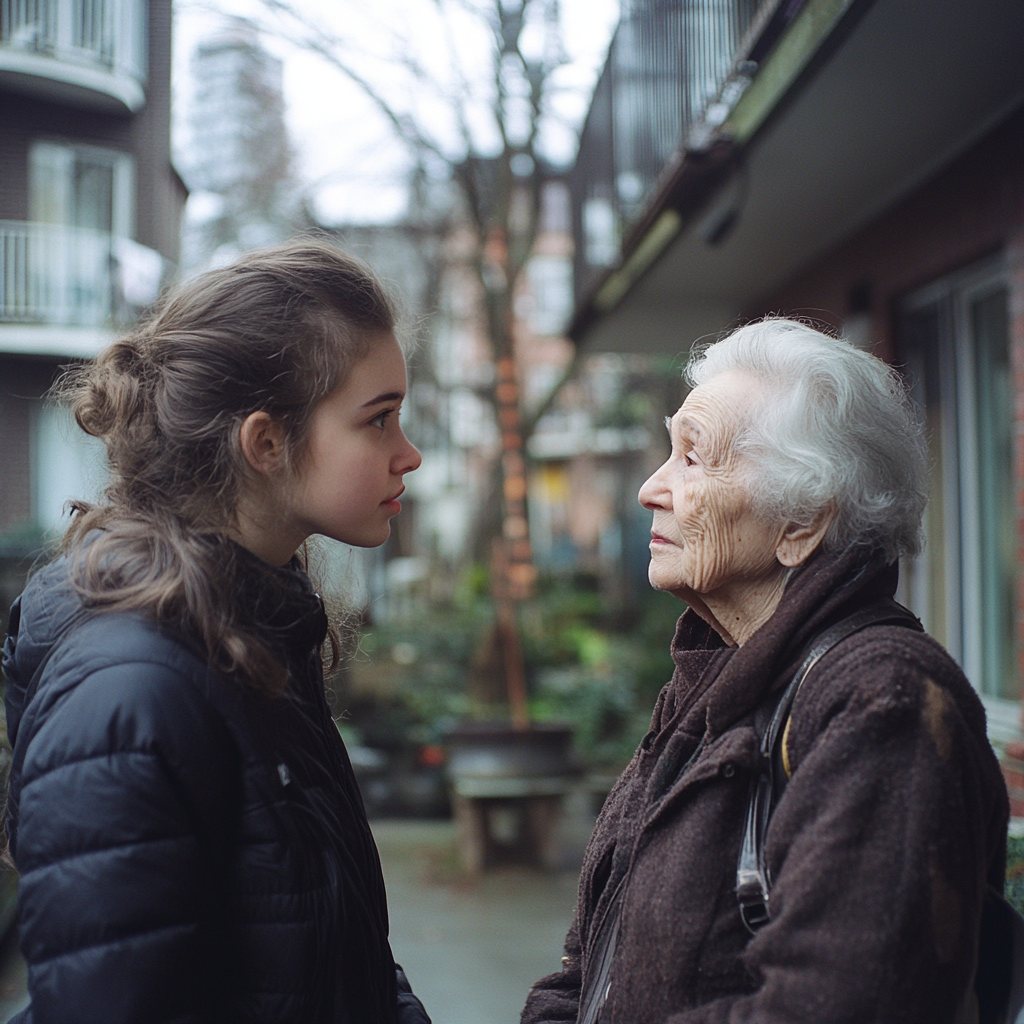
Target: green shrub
582,666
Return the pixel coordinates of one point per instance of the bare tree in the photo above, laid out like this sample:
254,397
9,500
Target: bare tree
475,110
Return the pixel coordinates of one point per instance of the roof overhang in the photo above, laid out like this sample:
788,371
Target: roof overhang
857,105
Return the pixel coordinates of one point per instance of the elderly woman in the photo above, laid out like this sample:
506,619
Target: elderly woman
795,483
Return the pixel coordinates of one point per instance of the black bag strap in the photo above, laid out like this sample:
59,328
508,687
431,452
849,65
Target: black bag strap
753,879
999,976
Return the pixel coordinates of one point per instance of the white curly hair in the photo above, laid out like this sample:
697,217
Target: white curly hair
834,426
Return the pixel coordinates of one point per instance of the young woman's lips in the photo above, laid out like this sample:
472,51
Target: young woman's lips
392,505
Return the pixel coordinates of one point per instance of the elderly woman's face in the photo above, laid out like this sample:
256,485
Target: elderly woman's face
705,538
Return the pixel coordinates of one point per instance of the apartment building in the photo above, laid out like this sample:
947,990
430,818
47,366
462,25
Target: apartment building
860,163
89,214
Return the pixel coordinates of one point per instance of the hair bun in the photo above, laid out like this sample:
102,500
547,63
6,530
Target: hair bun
114,396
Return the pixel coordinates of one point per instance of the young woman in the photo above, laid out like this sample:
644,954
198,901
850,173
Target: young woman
191,839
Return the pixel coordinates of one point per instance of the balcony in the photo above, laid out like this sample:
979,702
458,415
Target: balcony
732,142
673,72
87,53
66,290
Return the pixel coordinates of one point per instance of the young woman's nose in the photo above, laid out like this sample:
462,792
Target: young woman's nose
407,459
654,495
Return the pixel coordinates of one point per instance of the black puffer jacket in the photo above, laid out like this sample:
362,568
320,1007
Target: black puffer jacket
188,851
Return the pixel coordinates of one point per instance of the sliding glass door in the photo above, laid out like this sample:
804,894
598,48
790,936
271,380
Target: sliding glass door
954,338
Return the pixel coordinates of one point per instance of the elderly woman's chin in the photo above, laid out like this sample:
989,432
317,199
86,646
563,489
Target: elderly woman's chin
673,573
666,573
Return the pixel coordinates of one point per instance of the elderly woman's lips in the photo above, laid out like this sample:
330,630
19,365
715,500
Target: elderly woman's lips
656,538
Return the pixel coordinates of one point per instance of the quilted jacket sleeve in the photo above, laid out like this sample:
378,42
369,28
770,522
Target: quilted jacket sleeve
410,1009
124,795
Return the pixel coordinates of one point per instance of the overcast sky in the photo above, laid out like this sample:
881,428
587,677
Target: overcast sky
345,153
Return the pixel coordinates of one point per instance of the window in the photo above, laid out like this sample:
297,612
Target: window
550,279
66,463
955,339
82,186
81,264
600,233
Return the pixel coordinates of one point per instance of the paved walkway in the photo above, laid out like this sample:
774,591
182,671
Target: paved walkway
471,948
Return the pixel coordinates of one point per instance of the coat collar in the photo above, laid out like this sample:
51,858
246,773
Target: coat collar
826,589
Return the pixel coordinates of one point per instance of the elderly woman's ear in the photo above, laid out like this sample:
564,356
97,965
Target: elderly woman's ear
800,540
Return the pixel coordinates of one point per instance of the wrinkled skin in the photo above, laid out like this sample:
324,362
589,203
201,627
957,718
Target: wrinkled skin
708,547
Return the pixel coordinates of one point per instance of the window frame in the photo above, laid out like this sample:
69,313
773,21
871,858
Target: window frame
953,298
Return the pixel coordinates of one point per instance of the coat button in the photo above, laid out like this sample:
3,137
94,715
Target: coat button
728,770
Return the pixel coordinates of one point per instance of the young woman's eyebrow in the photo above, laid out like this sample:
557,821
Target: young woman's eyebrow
388,396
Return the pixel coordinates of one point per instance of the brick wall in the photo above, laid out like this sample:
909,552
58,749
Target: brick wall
15,469
161,194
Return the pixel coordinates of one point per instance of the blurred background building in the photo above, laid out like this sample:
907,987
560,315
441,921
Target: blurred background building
238,163
89,218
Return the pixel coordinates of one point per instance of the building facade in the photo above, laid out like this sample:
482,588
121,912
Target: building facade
237,160
89,214
860,164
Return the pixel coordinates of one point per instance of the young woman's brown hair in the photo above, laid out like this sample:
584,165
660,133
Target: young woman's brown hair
277,331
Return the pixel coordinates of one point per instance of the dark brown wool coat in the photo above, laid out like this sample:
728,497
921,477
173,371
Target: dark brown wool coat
880,848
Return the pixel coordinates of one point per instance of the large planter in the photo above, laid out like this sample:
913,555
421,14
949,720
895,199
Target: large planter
507,789
495,750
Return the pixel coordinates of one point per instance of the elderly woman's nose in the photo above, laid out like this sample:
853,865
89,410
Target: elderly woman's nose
654,495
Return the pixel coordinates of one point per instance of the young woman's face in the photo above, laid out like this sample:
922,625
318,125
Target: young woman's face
347,483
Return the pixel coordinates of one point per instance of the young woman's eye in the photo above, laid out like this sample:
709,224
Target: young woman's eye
380,420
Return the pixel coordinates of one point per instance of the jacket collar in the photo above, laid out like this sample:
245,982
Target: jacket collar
284,604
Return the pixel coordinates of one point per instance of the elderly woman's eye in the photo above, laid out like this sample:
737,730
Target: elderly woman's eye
690,460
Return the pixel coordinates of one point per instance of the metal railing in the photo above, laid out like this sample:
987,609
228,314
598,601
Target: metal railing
667,66
105,34
52,274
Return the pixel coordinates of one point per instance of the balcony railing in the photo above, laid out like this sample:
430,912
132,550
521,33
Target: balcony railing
670,66
77,42
52,274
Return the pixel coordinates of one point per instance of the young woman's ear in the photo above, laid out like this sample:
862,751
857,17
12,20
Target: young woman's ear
800,541
262,440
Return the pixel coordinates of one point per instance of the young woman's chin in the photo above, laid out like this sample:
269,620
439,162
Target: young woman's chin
370,537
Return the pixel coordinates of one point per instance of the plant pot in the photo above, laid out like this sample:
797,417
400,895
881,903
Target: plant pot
497,750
